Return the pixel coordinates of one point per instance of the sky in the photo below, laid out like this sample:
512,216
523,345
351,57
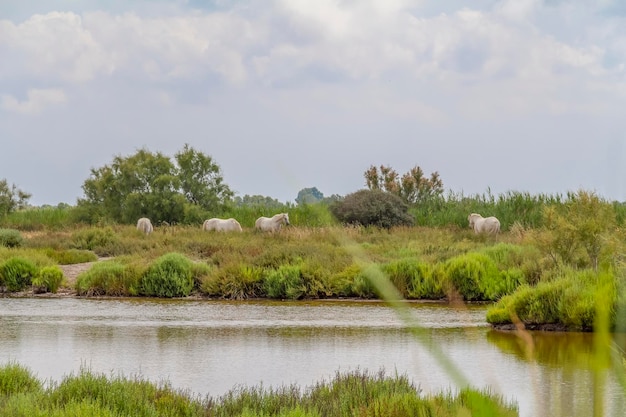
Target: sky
495,95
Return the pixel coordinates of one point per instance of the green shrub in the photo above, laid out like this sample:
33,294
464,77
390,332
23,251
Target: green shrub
414,279
17,273
14,379
71,256
469,275
199,272
284,282
169,276
48,279
110,278
99,240
10,238
372,208
236,282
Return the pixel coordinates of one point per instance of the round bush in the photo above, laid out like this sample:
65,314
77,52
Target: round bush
169,276
372,208
17,273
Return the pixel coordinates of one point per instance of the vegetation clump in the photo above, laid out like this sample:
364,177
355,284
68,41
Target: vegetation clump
169,276
10,238
372,208
16,273
48,279
347,394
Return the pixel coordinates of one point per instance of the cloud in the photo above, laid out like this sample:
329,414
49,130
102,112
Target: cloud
36,101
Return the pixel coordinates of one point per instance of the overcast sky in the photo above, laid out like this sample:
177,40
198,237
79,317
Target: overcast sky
508,95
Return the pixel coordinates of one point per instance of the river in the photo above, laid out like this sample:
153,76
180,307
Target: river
210,347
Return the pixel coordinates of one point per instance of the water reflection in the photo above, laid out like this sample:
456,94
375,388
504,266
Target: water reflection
209,347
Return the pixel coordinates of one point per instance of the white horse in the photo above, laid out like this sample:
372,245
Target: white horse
480,224
144,225
222,225
272,224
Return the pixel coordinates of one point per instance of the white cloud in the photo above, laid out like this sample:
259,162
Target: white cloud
36,101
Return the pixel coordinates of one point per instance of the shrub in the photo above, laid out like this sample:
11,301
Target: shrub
169,276
372,208
71,256
470,274
414,279
99,240
14,379
48,279
284,282
10,238
236,282
107,278
17,273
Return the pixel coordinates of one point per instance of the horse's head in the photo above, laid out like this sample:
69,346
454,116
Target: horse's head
286,218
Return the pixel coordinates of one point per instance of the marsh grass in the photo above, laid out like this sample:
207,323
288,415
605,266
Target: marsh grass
88,394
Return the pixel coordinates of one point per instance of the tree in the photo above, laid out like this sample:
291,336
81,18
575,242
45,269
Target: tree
309,196
150,185
372,208
413,187
201,180
11,198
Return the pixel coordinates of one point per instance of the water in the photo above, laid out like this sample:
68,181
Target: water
210,347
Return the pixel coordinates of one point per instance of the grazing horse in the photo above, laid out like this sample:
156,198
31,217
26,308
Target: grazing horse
144,225
487,225
272,224
222,225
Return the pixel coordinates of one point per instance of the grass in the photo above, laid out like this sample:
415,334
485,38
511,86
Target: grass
346,394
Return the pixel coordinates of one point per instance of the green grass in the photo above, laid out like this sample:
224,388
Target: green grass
346,394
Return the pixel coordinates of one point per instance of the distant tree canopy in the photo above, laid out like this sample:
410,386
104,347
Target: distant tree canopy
309,196
413,187
11,198
152,185
257,201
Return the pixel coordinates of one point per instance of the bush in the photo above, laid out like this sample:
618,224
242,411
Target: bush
71,256
169,276
236,282
372,208
14,379
10,238
48,279
17,273
107,278
471,274
99,240
285,282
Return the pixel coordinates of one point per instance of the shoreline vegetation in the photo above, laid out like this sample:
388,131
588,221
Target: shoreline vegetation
346,394
555,262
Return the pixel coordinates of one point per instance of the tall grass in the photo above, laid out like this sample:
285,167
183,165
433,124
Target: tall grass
89,394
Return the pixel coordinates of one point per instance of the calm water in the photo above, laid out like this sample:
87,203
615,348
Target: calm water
209,347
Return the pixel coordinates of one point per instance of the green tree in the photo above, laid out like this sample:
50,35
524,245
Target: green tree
11,198
413,187
201,179
309,196
151,185
258,201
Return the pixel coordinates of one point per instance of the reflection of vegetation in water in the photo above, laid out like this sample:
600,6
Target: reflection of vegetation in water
547,348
